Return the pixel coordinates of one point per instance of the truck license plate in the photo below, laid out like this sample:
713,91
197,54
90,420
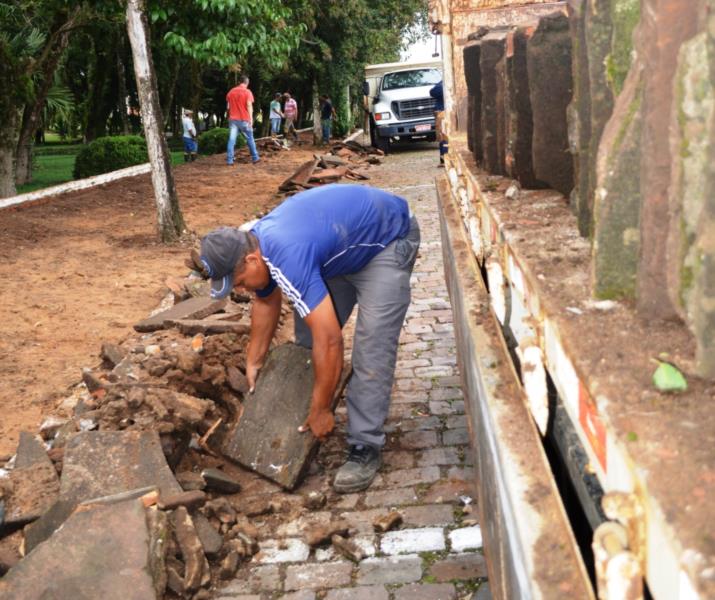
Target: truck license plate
426,127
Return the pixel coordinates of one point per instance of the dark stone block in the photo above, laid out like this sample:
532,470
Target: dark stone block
472,76
493,46
30,451
550,89
518,123
266,437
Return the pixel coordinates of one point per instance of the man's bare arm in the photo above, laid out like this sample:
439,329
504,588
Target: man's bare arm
327,365
264,320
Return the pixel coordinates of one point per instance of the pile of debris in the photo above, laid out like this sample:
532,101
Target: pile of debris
342,162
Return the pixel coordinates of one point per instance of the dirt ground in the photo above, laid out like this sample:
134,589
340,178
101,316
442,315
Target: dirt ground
80,269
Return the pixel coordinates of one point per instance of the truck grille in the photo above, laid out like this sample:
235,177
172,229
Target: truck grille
415,109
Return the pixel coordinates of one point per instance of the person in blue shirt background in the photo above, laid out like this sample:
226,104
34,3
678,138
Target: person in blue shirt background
327,249
438,94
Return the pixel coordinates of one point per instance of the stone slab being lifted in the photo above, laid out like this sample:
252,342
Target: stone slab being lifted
266,438
102,551
193,308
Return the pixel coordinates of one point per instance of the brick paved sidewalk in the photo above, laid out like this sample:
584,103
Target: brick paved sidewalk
436,552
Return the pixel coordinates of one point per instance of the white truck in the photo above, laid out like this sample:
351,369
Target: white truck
397,101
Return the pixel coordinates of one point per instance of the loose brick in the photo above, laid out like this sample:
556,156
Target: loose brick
414,440
391,569
455,437
407,477
426,591
405,541
439,456
318,575
466,538
363,592
390,498
271,551
301,595
461,566
258,579
428,515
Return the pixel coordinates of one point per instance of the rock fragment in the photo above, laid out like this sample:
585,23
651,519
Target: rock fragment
387,522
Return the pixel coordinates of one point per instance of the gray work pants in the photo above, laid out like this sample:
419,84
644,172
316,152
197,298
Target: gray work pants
382,292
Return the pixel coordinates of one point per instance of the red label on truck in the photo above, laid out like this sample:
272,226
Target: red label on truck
591,425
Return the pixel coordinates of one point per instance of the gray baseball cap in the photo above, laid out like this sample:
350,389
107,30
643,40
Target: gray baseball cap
221,250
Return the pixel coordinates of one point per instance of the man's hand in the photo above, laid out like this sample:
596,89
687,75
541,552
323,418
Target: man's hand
252,370
321,422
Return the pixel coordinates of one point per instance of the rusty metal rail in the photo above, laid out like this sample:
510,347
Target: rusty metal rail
531,551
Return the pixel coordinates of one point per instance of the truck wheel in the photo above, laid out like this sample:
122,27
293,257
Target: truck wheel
373,134
382,143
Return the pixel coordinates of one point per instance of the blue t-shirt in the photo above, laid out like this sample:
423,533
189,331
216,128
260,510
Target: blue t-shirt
325,232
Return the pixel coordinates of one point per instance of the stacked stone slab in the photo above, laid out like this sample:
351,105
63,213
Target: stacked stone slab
691,237
474,98
493,46
548,56
519,124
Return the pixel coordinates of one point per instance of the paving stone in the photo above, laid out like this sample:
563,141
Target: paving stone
428,515
416,424
300,595
361,520
391,569
467,538
484,592
198,307
455,437
318,576
406,541
363,592
439,456
30,451
414,440
407,477
426,591
389,498
449,490
460,566
271,551
257,579
447,393
398,459
346,501
240,597
434,371
296,527
266,437
456,421
111,539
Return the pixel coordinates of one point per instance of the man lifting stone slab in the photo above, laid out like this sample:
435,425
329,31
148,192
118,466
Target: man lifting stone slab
326,249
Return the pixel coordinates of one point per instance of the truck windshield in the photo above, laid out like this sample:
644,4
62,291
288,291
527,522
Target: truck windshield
408,79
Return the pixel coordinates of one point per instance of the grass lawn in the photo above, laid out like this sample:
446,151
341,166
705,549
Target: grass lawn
53,169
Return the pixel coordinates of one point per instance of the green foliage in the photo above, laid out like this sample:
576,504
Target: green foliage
227,32
109,154
214,141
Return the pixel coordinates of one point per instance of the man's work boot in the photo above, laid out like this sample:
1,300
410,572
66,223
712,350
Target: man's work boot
359,469
186,157
193,156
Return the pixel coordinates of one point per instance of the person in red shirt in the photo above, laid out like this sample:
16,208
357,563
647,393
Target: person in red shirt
239,105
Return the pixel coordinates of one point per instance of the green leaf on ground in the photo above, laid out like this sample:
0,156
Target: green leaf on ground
668,378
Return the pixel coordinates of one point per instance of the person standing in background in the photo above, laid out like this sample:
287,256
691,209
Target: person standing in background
191,147
327,114
276,115
239,102
437,93
290,112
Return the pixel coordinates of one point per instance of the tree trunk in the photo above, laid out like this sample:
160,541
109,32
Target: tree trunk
317,129
122,83
7,156
170,221
47,65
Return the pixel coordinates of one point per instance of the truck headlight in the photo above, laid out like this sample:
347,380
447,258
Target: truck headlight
382,115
